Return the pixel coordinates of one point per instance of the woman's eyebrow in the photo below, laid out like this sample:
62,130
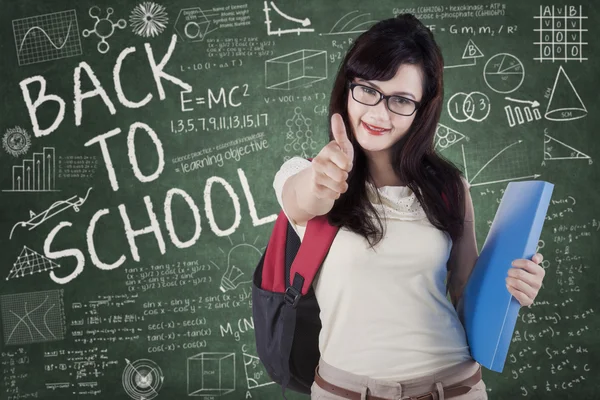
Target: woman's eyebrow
406,94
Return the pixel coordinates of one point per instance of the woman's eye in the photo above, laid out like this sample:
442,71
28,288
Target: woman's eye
400,100
368,90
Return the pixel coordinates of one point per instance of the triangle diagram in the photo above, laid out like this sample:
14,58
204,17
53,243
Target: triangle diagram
446,137
29,262
256,375
471,51
556,150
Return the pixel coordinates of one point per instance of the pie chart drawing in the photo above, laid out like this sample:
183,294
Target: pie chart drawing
503,73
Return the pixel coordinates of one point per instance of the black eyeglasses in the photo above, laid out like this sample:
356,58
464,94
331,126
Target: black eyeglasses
371,97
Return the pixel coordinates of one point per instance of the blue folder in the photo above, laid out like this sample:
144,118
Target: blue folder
490,312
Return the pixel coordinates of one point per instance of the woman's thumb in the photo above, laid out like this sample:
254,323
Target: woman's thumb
339,134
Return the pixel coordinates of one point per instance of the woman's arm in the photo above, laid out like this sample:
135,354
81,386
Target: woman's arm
292,188
464,253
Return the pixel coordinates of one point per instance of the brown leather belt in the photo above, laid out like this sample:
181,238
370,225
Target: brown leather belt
454,390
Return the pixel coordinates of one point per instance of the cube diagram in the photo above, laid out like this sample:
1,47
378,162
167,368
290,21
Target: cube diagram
211,374
296,69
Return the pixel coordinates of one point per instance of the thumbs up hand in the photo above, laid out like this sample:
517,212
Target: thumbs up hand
341,139
333,164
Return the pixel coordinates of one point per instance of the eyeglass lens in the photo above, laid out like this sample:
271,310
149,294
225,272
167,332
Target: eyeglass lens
396,104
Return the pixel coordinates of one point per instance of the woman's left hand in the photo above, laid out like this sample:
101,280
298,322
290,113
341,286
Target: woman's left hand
524,279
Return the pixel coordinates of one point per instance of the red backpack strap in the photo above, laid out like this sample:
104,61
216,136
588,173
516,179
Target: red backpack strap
312,251
315,245
272,277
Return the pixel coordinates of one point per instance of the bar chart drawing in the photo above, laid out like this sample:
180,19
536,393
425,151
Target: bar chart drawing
37,174
516,114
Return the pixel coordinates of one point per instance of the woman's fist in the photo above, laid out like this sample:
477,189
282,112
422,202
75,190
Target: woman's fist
333,163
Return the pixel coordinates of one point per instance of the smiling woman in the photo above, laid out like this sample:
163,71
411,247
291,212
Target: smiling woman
405,218
369,115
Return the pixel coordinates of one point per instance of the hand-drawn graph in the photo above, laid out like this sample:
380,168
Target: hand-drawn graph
561,34
566,105
350,24
142,379
30,262
211,374
192,24
298,138
47,37
304,22
470,54
148,19
520,114
16,141
54,209
256,375
518,161
37,174
554,149
299,68
446,137
32,317
503,73
103,27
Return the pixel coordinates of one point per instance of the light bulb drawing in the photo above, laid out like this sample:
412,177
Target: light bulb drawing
239,258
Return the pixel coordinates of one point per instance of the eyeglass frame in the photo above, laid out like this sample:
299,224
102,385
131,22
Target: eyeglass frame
352,85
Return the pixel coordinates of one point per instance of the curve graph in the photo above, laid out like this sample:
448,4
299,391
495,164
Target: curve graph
47,37
32,317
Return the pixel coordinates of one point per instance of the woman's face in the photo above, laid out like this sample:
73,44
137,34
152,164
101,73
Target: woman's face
375,127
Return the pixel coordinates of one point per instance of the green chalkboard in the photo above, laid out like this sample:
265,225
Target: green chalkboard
139,145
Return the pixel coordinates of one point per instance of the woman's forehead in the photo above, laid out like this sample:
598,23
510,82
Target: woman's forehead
408,78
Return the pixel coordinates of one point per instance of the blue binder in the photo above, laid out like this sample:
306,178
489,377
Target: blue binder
490,311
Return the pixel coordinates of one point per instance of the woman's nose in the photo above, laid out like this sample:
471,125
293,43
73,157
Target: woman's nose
380,111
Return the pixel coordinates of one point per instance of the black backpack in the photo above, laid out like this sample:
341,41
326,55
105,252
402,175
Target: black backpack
284,306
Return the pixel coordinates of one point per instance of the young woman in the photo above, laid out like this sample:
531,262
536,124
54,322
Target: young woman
406,216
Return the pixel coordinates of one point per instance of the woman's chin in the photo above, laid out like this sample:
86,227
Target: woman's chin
373,144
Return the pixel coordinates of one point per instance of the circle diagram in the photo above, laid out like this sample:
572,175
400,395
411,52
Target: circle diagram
474,106
142,379
503,73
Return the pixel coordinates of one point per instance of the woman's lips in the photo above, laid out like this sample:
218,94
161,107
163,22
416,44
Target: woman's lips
374,130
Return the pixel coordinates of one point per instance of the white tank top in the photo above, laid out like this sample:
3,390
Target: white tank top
384,311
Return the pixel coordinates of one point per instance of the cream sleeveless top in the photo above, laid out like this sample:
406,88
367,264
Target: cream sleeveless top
384,311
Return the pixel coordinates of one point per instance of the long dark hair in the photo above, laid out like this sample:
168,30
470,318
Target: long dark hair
376,55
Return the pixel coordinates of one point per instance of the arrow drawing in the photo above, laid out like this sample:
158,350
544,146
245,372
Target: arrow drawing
533,103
